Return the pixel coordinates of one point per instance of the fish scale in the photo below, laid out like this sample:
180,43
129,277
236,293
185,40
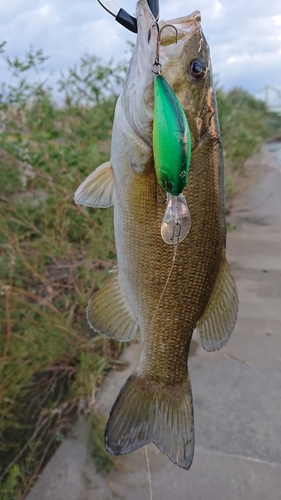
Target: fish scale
151,276
156,291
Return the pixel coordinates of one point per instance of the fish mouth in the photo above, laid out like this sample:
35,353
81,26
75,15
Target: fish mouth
185,27
138,94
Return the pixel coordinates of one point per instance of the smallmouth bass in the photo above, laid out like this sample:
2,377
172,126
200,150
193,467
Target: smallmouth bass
155,404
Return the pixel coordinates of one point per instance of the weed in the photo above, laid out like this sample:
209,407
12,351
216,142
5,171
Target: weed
53,256
104,462
245,124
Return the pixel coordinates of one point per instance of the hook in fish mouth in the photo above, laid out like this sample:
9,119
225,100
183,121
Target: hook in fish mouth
157,66
126,19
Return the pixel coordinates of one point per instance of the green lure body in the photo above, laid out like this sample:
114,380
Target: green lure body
171,139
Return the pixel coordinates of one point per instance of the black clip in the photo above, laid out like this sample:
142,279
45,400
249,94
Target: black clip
126,19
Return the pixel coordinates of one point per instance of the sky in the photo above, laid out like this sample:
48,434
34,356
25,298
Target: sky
244,36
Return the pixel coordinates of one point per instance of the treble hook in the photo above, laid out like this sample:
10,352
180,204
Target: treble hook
157,65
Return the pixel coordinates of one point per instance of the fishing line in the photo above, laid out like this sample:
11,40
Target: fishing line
148,473
167,281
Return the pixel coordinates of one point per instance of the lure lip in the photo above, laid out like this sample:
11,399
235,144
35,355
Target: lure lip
122,17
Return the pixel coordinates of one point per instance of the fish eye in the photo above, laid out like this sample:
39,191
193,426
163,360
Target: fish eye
198,69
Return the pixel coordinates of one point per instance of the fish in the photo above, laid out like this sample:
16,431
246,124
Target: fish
163,296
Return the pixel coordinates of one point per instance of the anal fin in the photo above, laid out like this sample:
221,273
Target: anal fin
97,190
218,320
109,313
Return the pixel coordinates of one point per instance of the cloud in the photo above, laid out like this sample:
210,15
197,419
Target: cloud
244,39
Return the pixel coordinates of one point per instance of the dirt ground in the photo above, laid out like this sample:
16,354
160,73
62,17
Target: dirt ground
236,390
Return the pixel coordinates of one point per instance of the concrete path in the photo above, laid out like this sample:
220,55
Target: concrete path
237,391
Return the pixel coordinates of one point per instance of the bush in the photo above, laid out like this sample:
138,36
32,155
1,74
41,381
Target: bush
53,256
245,124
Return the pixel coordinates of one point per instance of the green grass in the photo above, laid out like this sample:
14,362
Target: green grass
245,124
54,254
104,462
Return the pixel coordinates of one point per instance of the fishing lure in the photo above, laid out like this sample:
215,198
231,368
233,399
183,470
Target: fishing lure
171,139
172,152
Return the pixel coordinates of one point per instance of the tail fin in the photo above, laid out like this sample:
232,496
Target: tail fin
144,413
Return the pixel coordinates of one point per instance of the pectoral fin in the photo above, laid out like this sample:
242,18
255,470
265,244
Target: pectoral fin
109,313
98,189
218,320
